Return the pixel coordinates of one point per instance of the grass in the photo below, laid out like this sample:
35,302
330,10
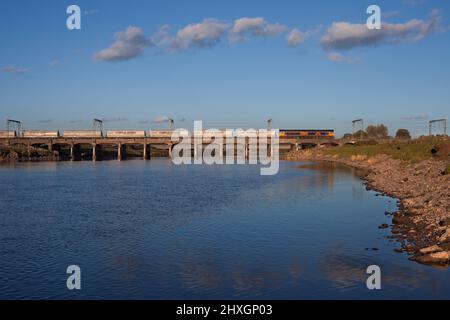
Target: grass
411,150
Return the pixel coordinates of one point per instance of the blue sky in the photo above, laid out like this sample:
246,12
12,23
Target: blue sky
228,63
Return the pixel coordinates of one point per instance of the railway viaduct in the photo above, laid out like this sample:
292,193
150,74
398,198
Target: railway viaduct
96,144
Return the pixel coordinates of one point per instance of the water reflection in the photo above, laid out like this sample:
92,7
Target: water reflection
151,230
348,272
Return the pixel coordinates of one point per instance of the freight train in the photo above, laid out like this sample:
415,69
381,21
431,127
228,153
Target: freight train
98,134
5,134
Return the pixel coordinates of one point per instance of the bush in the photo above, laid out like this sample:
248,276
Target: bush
402,134
347,136
378,132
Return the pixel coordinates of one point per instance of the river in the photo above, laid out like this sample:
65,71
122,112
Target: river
153,230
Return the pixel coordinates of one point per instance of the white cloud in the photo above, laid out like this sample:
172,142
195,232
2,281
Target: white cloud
257,27
295,37
201,35
338,58
129,44
55,63
162,36
345,35
162,119
335,57
14,70
132,42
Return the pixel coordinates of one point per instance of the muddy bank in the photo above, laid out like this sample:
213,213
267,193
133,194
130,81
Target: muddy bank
422,222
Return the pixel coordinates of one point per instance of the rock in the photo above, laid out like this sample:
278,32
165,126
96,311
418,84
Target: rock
410,202
12,156
415,212
445,222
431,249
433,258
398,219
409,248
445,236
358,157
445,246
383,226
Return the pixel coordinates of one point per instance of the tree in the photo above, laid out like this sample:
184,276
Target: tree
402,134
378,132
347,136
360,134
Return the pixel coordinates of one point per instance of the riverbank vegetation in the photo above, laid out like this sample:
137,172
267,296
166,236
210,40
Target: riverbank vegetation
412,151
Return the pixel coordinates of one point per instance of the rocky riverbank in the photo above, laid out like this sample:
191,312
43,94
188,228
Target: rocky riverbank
9,154
422,222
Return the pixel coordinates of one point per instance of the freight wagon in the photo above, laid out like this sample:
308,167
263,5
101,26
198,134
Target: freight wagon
82,134
223,133
125,134
39,134
7,134
160,133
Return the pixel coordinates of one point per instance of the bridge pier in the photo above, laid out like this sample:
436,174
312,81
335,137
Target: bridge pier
94,152
119,152
145,157
170,151
72,155
29,151
246,150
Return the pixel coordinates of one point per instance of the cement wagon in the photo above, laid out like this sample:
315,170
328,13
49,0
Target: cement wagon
216,133
40,134
125,134
7,134
82,134
160,133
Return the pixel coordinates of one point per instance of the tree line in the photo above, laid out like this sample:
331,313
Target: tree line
379,131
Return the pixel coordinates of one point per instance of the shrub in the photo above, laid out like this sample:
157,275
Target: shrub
402,134
378,132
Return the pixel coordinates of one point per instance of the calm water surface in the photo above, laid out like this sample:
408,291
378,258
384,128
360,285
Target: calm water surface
152,230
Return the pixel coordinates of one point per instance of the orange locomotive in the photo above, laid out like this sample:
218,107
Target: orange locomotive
307,133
